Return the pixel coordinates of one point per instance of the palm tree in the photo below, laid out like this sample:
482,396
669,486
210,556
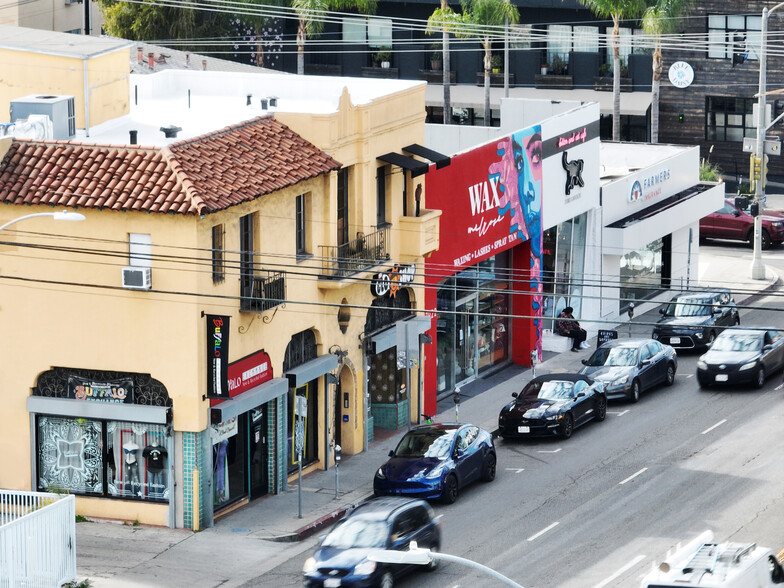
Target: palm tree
440,20
310,15
485,19
658,20
618,10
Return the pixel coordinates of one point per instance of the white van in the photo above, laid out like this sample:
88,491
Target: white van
717,565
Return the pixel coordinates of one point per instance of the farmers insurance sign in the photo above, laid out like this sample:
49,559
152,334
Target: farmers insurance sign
490,198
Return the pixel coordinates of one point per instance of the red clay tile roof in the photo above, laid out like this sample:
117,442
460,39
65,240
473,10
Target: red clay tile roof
199,175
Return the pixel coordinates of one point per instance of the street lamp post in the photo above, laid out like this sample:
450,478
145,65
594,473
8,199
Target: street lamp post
757,267
64,215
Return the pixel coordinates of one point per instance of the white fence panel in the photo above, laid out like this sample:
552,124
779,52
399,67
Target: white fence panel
37,539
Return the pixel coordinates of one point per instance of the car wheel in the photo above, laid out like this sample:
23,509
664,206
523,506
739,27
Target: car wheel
669,378
567,426
387,581
433,565
737,320
711,339
634,393
601,408
759,381
489,473
767,242
449,495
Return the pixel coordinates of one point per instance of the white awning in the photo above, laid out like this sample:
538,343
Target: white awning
467,96
249,400
310,370
91,409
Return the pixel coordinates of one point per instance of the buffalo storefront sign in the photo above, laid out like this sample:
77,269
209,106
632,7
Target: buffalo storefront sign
217,356
243,458
101,434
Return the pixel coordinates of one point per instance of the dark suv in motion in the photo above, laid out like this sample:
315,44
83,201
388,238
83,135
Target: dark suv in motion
692,320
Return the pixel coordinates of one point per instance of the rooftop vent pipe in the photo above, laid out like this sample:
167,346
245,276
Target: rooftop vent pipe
170,131
134,135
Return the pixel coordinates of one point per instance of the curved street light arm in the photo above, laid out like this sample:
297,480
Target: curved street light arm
62,215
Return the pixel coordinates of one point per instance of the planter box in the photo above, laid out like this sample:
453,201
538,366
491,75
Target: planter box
554,82
604,84
321,69
381,72
436,76
496,79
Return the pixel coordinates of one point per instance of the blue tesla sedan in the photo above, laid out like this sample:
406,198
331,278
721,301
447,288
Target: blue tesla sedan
436,461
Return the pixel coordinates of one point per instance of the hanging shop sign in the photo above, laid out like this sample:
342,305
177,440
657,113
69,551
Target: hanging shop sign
115,391
217,356
681,74
224,430
388,283
249,372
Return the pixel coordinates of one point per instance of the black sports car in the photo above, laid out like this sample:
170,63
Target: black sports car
553,405
692,320
629,366
742,356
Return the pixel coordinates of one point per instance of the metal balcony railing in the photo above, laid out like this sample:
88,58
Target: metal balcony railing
362,253
262,291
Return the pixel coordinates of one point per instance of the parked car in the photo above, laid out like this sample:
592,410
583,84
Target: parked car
630,366
692,320
436,461
731,222
742,356
553,405
381,523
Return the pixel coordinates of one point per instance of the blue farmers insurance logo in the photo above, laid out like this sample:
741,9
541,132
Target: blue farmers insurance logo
636,192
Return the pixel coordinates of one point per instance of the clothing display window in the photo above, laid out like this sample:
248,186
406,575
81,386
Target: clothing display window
105,458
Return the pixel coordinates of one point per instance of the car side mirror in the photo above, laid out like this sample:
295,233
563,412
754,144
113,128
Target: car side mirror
716,311
662,311
391,453
645,362
767,347
580,394
321,538
584,361
514,394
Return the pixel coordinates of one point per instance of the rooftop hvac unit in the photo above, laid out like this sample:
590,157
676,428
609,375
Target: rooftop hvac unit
135,277
60,109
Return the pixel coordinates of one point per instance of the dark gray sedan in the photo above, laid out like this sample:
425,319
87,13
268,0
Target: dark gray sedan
627,367
742,356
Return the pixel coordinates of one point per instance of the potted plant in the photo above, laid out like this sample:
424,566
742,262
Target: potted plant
558,66
383,56
545,68
495,63
436,56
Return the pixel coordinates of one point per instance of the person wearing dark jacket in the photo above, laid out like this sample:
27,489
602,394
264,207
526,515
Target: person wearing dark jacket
568,327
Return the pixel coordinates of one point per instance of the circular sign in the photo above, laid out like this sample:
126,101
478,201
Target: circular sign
681,74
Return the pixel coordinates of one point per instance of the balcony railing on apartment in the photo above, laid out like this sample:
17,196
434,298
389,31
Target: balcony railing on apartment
263,291
37,539
362,253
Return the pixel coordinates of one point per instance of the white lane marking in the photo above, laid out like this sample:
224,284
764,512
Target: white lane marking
623,412
549,451
688,375
632,476
515,470
709,429
623,570
779,387
543,531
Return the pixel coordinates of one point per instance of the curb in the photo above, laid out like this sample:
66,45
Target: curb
314,527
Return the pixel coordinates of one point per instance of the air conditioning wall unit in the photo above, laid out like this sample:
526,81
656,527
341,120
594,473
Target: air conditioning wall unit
135,277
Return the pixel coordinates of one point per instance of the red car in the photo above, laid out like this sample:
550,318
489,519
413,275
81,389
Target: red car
731,222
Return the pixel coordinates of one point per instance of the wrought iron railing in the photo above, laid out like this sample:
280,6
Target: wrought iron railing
262,291
362,253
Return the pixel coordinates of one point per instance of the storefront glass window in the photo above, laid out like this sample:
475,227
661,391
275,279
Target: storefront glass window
563,264
230,461
641,273
105,458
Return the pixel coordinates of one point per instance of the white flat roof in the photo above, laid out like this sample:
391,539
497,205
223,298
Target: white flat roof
55,43
203,101
626,158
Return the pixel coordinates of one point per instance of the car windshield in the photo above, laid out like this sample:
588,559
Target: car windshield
689,307
613,356
436,443
553,389
748,342
357,533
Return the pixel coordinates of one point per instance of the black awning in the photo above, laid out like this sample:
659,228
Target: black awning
416,167
439,159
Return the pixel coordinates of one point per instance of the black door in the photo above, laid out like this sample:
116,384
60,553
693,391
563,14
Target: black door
259,451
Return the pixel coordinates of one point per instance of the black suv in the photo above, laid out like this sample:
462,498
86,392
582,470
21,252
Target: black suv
692,320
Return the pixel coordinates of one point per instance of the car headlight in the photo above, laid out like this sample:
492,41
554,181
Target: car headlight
380,473
365,568
778,224
310,566
655,335
554,417
748,366
621,380
702,365
434,473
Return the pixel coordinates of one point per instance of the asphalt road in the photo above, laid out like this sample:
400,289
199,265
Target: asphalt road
599,509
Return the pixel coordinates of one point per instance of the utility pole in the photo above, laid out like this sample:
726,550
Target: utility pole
758,157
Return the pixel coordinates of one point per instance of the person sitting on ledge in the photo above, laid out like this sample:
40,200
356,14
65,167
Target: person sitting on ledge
566,326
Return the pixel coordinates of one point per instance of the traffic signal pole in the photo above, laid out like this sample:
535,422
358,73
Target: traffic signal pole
757,267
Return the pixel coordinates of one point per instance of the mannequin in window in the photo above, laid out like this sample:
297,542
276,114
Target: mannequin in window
155,456
131,467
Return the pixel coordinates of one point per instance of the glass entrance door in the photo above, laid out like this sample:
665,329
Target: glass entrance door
466,349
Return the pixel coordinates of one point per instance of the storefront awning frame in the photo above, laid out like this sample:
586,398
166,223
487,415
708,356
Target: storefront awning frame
404,334
310,370
439,159
90,409
416,167
248,400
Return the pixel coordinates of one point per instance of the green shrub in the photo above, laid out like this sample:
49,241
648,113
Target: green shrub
709,172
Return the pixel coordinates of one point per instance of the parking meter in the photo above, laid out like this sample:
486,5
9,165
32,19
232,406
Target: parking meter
534,361
338,450
456,398
630,312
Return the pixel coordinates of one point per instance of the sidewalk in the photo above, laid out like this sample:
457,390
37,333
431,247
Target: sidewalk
260,536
